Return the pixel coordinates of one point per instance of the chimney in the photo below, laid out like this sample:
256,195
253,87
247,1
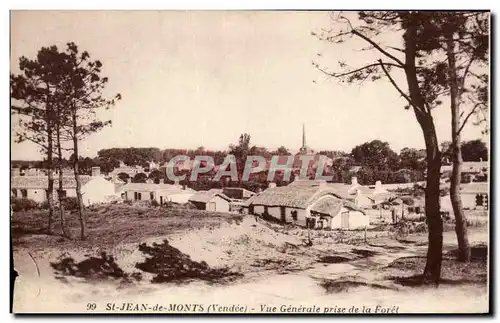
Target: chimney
129,180
378,185
176,182
96,171
271,185
481,159
354,181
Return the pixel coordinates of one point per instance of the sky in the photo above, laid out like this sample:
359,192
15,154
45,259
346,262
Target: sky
198,78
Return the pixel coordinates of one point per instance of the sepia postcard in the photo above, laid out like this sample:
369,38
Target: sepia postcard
250,162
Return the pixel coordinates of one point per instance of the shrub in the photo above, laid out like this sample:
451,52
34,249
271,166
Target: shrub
465,178
44,205
155,203
93,269
23,204
70,203
170,264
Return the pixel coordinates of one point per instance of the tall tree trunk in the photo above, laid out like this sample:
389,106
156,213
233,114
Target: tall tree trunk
81,215
464,253
61,187
50,175
50,188
432,271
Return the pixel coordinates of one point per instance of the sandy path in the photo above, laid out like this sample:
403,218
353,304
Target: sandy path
43,293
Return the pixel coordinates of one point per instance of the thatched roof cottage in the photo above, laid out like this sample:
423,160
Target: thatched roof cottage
316,206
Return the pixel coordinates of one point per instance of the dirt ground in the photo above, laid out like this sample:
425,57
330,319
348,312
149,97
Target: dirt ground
241,259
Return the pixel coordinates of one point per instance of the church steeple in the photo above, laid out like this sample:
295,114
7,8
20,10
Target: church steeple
304,149
304,136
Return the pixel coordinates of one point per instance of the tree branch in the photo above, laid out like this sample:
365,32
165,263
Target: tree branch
24,137
404,95
380,49
353,71
466,71
468,116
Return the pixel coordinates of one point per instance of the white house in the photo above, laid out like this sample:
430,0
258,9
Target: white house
474,196
211,200
161,193
317,206
361,195
95,189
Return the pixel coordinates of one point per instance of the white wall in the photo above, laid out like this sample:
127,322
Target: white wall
357,220
363,201
145,195
468,202
176,197
221,205
275,212
37,195
97,190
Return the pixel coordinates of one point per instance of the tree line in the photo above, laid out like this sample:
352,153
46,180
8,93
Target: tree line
369,162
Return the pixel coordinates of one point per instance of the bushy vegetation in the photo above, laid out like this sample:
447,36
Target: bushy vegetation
70,203
169,264
103,267
23,204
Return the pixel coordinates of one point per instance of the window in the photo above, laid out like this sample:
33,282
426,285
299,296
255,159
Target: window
479,200
24,193
294,215
151,196
14,192
135,196
63,193
139,196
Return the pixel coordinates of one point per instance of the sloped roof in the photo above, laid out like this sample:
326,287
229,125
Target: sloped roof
205,196
478,187
238,189
468,167
298,196
475,166
42,182
332,206
250,200
154,187
381,197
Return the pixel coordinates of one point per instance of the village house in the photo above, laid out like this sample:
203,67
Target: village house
365,197
474,196
475,169
95,189
237,193
161,193
211,200
131,171
309,205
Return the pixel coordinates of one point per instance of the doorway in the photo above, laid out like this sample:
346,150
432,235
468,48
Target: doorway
283,214
344,220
